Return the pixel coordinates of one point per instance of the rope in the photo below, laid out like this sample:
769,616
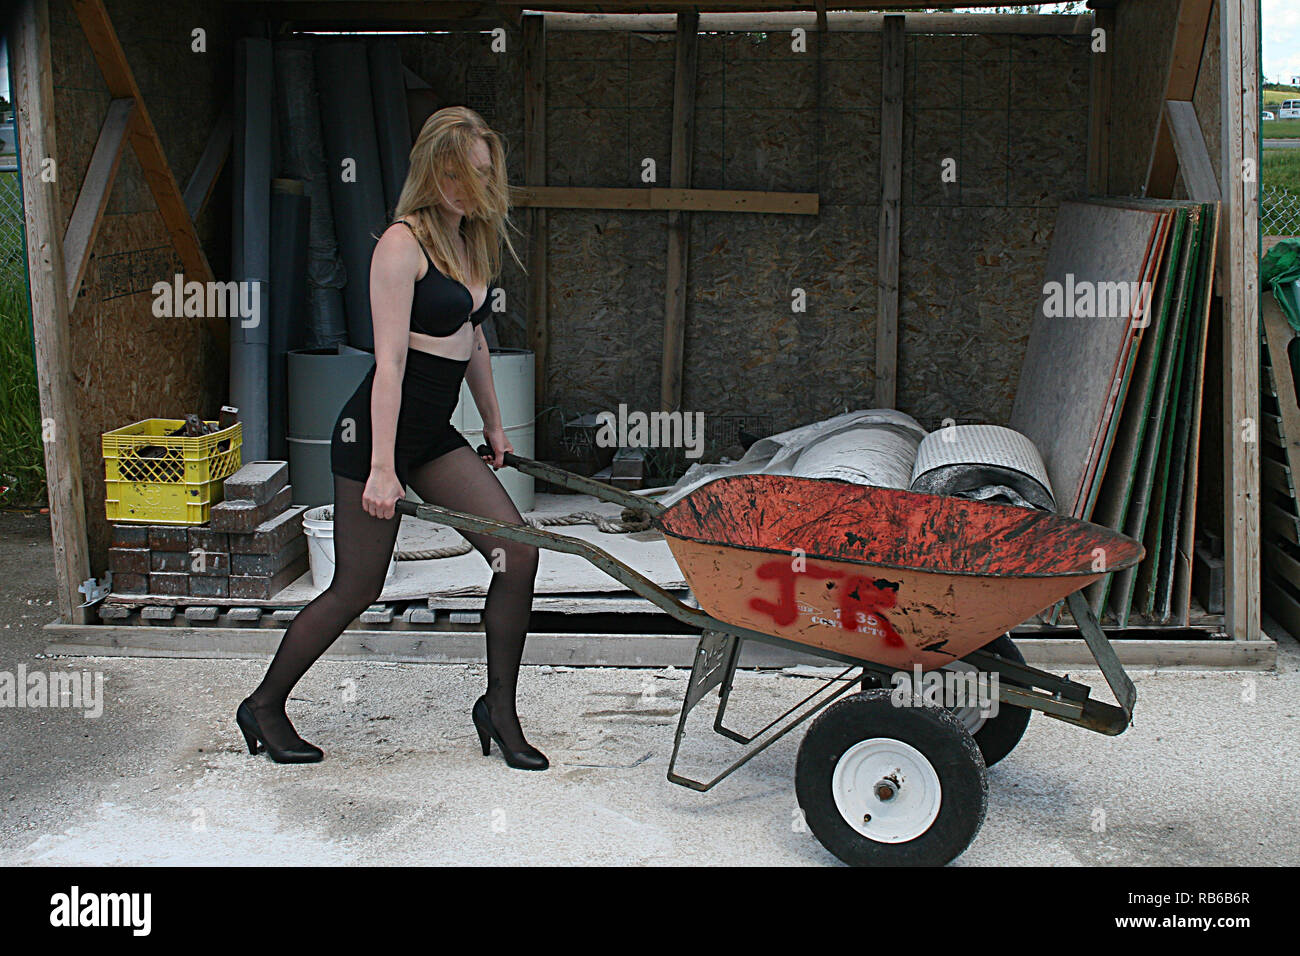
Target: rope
631,520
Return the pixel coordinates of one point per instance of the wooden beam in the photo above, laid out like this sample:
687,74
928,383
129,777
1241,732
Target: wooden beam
679,237
1186,47
215,153
92,198
29,53
473,9
107,49
611,650
840,21
891,175
1239,251
534,46
1193,155
660,198
1101,78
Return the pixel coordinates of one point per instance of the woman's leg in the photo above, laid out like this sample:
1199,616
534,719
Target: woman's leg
362,546
462,481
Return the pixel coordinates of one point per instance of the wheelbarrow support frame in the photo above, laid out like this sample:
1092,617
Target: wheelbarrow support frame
718,651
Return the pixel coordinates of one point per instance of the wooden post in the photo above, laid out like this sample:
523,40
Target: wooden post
1239,252
60,424
679,238
1101,79
534,40
891,176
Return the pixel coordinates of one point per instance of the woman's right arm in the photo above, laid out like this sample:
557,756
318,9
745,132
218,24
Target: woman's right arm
394,267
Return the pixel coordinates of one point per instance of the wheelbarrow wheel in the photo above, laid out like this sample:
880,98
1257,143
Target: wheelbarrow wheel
884,785
996,736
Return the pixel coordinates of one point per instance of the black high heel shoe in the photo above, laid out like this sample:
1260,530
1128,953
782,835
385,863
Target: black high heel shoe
301,752
530,758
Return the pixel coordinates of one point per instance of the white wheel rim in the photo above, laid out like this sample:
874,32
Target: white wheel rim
971,716
911,807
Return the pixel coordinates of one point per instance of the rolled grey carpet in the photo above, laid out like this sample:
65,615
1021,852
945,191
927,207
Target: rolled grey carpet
302,157
251,253
290,224
392,125
355,176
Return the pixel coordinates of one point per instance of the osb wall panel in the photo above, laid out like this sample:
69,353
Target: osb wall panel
1005,109
129,365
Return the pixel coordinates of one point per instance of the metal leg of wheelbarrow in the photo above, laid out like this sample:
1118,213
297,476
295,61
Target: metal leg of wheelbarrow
715,666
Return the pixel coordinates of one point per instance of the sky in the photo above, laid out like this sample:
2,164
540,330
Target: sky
1280,27
1279,24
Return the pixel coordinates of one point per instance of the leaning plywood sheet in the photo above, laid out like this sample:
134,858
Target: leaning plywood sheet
1116,487
1099,453
1071,360
1167,487
1188,415
1182,582
1135,521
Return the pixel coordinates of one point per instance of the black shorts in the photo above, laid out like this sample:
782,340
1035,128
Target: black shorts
430,392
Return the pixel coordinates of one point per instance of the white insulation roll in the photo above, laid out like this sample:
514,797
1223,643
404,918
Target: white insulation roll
873,454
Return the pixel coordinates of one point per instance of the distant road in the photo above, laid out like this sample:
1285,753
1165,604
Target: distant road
1282,144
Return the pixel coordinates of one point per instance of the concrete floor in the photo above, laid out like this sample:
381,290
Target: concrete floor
1209,773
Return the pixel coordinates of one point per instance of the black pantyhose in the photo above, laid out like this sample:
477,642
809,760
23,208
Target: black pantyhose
459,480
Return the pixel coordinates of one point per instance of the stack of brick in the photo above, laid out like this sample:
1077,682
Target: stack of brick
253,545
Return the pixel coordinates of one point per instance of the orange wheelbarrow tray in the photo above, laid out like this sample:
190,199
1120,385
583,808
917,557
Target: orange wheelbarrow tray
884,581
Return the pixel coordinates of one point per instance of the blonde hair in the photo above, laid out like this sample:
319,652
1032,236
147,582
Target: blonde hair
444,147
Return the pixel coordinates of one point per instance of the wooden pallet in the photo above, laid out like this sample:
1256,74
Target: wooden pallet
1279,469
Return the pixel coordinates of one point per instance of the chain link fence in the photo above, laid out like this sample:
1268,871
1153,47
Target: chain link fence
13,265
1279,212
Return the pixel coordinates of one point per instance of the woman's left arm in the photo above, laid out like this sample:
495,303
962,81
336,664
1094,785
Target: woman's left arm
479,377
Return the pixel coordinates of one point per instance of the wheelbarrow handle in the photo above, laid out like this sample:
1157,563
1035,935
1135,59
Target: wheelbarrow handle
579,483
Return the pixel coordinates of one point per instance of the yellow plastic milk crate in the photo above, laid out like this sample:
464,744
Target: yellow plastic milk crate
151,476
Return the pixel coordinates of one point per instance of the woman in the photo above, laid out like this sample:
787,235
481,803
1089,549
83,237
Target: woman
430,282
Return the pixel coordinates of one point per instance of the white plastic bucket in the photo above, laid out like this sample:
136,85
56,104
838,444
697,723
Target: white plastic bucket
318,526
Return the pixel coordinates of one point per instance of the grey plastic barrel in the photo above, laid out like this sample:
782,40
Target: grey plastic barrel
320,382
512,376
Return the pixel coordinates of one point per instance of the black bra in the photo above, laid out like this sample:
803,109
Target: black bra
441,305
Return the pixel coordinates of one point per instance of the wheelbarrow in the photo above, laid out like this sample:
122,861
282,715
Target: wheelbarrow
888,583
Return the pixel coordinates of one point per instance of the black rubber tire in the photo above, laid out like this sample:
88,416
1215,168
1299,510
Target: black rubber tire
937,734
1000,734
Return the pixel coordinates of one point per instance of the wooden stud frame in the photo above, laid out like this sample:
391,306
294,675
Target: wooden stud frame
1239,250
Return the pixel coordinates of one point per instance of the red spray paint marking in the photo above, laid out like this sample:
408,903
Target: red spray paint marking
784,611
860,595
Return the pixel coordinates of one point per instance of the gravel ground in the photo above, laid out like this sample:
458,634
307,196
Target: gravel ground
162,776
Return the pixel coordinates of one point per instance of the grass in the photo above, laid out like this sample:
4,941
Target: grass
22,458
1274,97
1281,167
1279,129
